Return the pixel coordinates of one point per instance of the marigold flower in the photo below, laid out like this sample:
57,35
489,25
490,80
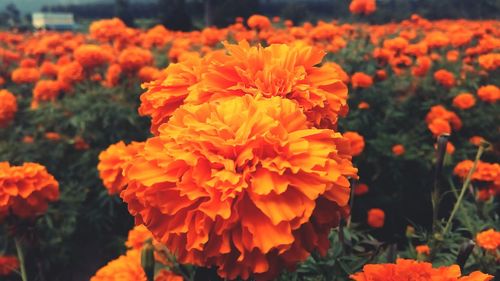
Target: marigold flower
489,93
25,75
485,172
422,66
8,107
364,7
398,149
258,22
137,237
125,267
91,56
476,140
113,161
133,58
8,264
356,141
53,136
490,61
361,80
46,90
423,250
148,73
288,71
488,239
228,166
439,126
360,189
108,29
445,78
405,269
363,105
376,218
464,101
26,190
113,75
70,73
49,69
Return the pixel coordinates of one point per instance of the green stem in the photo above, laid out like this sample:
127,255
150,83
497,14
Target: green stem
442,141
20,257
462,192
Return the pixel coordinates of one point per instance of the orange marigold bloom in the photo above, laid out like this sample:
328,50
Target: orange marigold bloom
405,269
70,73
439,126
8,264
464,101
489,93
363,105
113,75
46,90
133,58
360,189
398,149
26,190
148,73
53,136
356,142
25,75
49,69
445,78
91,56
423,250
488,239
137,237
258,22
422,66
490,61
112,163
361,80
485,172
376,218
288,71
128,267
364,7
476,140
251,187
108,29
8,107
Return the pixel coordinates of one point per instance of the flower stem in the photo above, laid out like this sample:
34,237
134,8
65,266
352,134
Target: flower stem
442,141
20,257
462,192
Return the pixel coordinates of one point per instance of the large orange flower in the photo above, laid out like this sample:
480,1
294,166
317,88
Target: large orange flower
8,107
241,183
405,269
113,161
108,29
26,190
288,71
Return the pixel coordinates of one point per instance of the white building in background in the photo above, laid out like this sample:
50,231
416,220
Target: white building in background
56,21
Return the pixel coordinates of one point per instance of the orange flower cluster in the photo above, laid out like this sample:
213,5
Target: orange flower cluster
490,61
441,121
25,75
464,101
133,58
8,264
287,71
45,90
26,190
227,167
488,239
90,56
488,174
364,7
8,107
112,163
406,270
361,80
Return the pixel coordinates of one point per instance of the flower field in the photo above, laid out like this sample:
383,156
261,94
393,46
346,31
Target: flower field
265,150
